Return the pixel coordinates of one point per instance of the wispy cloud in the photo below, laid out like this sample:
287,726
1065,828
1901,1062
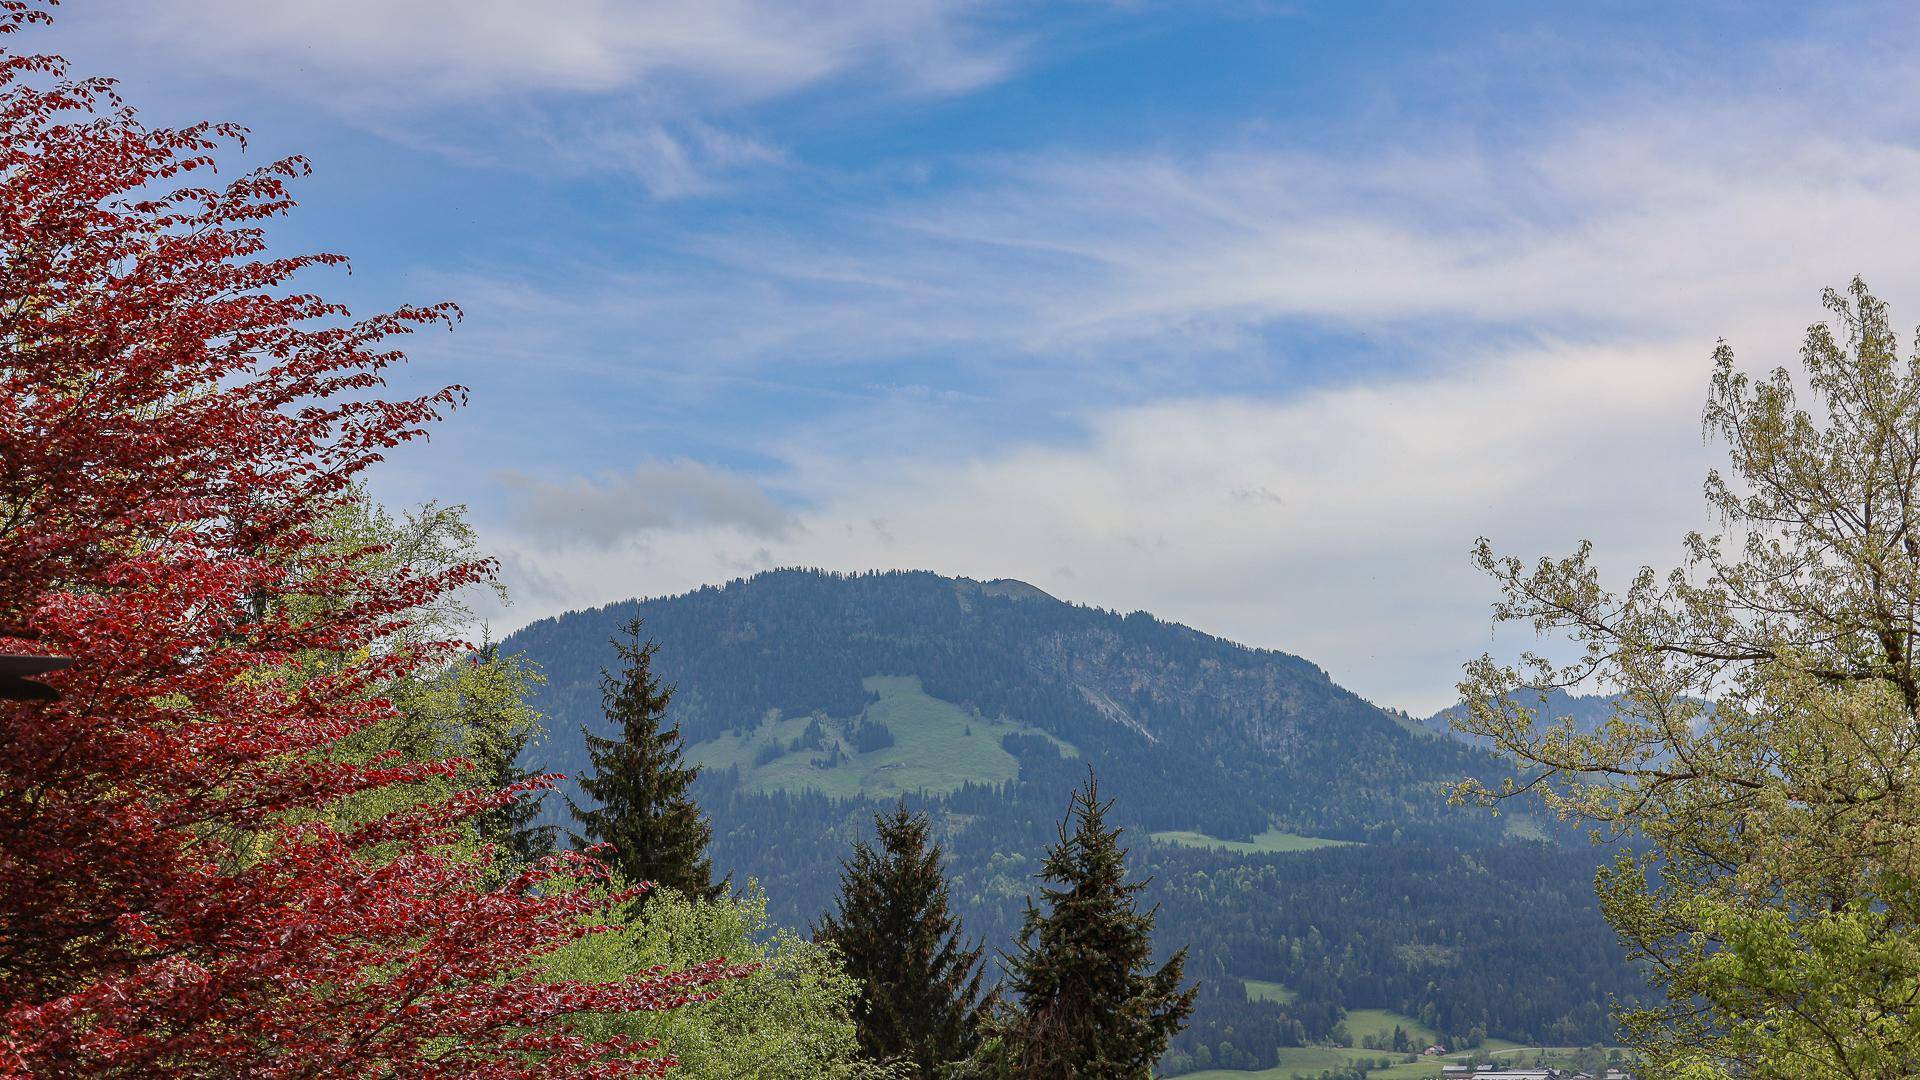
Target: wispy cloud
727,51
657,90
607,510
1642,224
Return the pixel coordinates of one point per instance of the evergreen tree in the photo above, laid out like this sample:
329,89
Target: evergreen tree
921,1004
645,810
510,828
493,725
1089,1005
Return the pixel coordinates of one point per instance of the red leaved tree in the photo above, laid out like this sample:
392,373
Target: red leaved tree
177,425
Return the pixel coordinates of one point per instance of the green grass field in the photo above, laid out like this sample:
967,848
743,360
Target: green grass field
1418,1069
1295,1061
1262,990
937,747
1381,1022
1267,843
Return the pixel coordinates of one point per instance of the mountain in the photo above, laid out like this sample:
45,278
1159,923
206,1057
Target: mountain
1211,736
1588,711
1298,836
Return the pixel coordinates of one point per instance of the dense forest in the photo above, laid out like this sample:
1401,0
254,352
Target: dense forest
1431,911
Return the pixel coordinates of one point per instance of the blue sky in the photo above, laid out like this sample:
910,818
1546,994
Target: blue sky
1253,315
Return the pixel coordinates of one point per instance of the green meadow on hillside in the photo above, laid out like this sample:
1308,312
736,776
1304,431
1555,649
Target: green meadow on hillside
1380,1023
1262,990
1273,841
937,747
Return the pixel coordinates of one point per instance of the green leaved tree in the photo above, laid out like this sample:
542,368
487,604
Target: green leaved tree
495,684
1091,1007
639,783
921,1004
789,1018
1766,744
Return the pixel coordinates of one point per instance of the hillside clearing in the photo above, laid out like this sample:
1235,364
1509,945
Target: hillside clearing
937,748
1379,1023
1271,842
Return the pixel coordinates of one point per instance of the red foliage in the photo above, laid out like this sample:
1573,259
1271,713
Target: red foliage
176,424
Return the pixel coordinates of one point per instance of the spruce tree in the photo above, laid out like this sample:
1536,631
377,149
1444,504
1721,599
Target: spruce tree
1090,1007
510,828
920,1004
645,812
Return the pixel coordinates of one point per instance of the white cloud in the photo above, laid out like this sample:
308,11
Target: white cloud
723,51
646,499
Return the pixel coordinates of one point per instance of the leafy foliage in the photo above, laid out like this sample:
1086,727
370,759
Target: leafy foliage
499,685
206,875
1763,735
791,1018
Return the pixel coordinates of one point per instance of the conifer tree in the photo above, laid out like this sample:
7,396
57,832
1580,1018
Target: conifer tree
1089,1005
491,725
920,1005
645,812
509,827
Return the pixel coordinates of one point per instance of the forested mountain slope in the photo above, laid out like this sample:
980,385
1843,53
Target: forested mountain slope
1205,734
813,698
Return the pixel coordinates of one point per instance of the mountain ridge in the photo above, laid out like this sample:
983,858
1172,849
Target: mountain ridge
1264,723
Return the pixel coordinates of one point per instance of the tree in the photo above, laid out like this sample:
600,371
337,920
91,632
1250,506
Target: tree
646,817
180,429
920,1001
470,705
1090,1007
1763,746
494,685
791,1019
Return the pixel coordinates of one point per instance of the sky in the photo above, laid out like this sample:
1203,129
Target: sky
1251,315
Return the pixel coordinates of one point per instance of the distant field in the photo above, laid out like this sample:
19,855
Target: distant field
1306,1062
1418,1069
1381,1022
937,747
1267,843
1507,1053
1262,990
1296,1061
